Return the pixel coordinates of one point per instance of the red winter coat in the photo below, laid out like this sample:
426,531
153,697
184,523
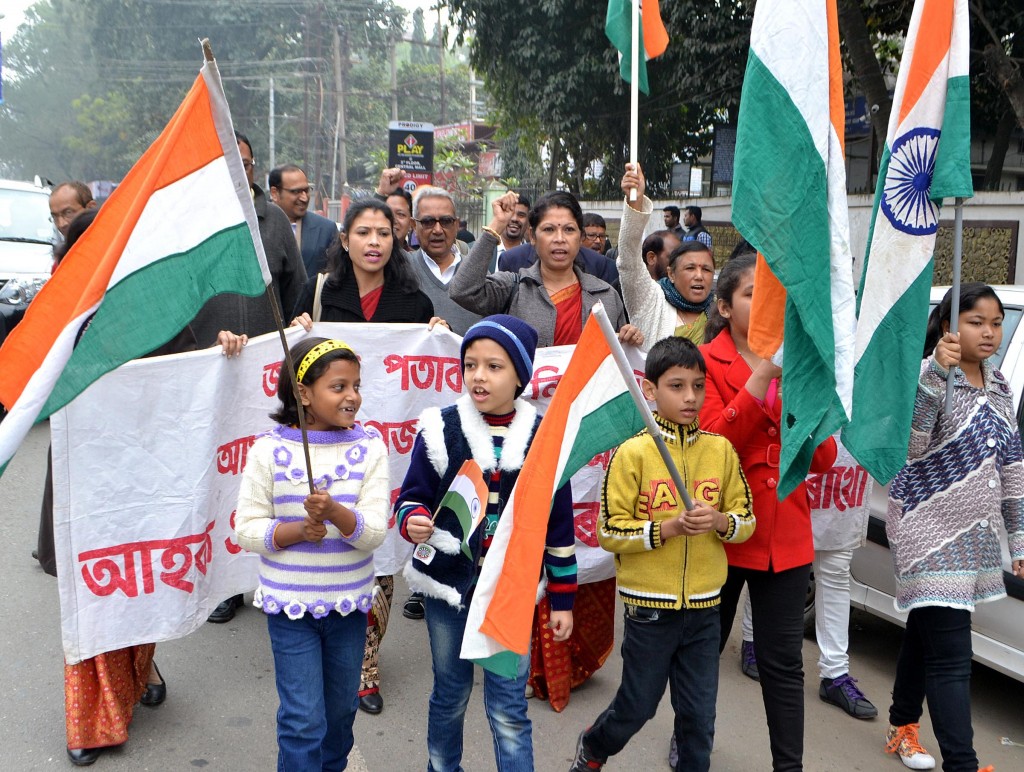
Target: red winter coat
782,538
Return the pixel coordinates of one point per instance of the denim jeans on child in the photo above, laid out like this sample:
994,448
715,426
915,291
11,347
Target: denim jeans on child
316,665
504,699
659,647
935,661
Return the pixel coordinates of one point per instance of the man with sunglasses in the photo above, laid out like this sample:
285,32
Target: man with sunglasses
437,259
314,233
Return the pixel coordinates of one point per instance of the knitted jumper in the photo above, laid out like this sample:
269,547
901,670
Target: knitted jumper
638,494
335,574
446,439
964,470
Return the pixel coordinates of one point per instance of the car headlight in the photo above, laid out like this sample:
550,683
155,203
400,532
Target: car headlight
18,292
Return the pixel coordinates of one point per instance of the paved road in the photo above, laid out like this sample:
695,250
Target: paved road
219,714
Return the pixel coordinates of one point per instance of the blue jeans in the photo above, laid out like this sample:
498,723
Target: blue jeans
935,661
504,699
659,647
316,665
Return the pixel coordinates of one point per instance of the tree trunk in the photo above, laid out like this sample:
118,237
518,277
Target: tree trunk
1006,73
556,148
865,66
1001,143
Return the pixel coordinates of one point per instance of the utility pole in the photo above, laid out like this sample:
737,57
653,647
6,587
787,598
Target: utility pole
442,39
340,133
394,76
273,131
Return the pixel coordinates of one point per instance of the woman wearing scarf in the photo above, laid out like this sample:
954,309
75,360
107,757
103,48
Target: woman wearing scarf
675,305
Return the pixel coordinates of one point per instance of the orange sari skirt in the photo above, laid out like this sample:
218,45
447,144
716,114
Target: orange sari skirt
100,695
556,667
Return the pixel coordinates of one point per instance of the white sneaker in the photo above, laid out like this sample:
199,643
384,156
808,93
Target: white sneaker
902,740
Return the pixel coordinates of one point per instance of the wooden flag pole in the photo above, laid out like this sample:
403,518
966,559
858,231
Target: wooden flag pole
634,88
626,370
954,306
275,308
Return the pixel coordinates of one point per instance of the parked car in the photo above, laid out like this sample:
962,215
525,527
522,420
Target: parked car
998,627
26,248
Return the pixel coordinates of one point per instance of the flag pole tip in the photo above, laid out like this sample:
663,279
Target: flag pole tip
207,49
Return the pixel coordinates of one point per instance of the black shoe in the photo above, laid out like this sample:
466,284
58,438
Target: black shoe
35,554
83,757
155,694
413,608
225,612
585,761
371,703
843,693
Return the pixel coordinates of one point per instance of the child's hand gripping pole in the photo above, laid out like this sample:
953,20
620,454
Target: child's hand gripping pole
626,371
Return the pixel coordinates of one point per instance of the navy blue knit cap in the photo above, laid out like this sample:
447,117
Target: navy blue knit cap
514,335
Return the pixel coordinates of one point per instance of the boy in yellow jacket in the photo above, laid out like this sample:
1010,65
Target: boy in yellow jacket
669,563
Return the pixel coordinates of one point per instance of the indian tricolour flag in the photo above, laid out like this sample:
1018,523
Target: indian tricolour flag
467,499
178,230
926,159
789,202
592,411
653,36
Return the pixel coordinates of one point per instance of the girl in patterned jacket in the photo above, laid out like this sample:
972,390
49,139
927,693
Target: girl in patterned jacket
316,550
964,471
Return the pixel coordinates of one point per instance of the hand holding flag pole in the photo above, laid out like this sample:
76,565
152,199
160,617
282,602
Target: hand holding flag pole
626,370
954,309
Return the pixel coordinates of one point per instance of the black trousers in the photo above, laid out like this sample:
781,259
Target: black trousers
777,602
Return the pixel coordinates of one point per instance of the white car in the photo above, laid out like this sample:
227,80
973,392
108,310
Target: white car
998,627
26,247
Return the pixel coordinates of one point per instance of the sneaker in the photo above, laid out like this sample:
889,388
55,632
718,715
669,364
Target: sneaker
902,740
585,761
673,752
748,662
843,692
413,608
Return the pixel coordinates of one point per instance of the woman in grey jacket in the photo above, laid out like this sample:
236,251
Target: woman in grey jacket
554,294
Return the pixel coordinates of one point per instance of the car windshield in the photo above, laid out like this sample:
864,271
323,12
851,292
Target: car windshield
25,216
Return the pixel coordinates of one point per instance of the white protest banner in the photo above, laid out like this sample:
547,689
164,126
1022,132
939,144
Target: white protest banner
147,463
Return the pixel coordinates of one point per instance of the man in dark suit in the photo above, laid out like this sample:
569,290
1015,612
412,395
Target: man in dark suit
291,191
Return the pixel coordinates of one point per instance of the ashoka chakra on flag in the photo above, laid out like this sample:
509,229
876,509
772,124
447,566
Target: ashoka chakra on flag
906,200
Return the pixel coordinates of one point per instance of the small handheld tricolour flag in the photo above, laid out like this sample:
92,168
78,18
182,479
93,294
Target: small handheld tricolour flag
926,159
179,229
467,499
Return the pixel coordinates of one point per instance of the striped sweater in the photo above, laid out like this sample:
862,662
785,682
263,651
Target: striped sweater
335,574
964,471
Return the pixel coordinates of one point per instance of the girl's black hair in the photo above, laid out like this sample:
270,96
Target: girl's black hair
288,412
728,283
397,271
970,294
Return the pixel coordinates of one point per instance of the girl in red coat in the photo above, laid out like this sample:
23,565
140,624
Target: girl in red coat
744,403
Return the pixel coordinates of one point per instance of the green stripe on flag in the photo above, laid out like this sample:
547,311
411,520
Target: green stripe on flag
460,508
880,431
504,663
149,307
602,429
952,176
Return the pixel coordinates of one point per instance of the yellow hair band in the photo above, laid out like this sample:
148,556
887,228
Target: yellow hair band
316,352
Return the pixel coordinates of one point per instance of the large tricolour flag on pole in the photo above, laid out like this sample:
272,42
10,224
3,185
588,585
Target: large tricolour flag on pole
789,202
178,230
926,159
653,36
592,411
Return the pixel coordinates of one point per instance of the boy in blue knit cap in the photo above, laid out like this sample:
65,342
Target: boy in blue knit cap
492,426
